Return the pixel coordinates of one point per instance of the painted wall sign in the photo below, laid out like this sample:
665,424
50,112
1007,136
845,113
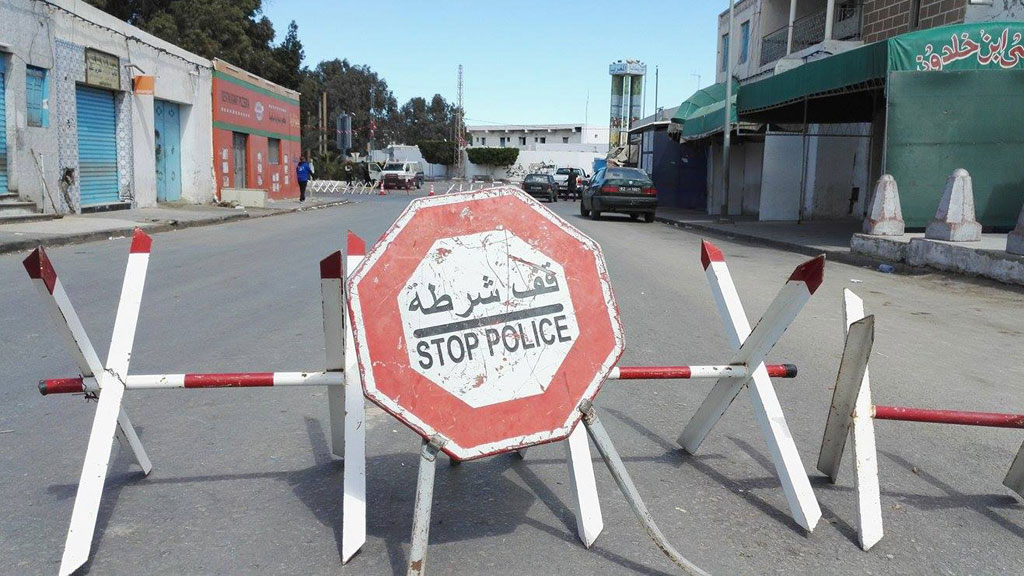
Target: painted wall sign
992,45
102,70
485,319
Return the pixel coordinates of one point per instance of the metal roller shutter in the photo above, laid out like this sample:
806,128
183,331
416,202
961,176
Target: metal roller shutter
97,146
3,133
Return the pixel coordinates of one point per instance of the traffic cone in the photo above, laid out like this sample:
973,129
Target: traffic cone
382,192
431,190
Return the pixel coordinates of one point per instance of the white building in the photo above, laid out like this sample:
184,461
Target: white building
566,137
105,114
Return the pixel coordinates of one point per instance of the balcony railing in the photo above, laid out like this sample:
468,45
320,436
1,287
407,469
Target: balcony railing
810,30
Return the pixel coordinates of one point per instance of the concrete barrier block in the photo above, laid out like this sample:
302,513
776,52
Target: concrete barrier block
885,218
884,248
954,221
1015,240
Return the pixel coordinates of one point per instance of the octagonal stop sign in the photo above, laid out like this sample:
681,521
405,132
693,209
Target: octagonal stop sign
485,319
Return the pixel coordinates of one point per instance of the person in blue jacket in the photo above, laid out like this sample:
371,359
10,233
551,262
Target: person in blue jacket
303,172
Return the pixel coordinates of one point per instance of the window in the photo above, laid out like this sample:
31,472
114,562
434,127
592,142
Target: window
725,52
502,141
565,139
273,151
522,140
483,141
744,41
543,140
37,93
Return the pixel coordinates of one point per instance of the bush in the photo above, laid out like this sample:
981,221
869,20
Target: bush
438,152
493,156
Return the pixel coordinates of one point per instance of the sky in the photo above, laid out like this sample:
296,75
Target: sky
525,61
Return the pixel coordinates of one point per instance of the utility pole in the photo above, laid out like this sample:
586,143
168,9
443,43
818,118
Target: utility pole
373,124
656,90
697,74
460,140
323,122
727,131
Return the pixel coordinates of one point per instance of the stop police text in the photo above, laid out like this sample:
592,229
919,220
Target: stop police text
456,348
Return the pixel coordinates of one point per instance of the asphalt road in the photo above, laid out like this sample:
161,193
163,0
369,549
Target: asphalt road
243,482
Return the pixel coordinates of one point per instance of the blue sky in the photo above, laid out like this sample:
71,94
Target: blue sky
525,61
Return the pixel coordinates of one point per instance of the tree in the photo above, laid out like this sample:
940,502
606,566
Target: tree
348,90
493,156
438,151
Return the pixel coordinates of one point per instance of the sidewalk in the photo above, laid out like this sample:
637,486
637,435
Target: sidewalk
829,237
78,228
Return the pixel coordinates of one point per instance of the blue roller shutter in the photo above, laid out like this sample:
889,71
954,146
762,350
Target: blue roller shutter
97,146
3,132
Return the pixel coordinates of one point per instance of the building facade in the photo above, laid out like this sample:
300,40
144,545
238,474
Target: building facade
96,114
539,136
255,133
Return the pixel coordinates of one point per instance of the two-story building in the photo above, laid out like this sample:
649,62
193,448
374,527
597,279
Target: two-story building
832,94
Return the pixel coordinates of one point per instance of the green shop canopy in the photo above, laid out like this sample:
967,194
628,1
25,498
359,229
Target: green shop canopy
991,45
702,114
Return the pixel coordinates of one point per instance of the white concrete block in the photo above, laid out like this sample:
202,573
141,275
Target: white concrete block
1015,240
885,218
954,220
248,197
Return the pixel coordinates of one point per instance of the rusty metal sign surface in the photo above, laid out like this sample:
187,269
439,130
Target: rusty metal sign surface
485,319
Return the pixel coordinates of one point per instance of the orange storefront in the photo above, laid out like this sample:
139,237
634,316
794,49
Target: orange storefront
255,133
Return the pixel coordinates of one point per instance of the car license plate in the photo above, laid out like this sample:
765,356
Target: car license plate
631,189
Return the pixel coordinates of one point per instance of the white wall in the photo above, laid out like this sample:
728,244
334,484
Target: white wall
531,160
745,161
780,183
745,11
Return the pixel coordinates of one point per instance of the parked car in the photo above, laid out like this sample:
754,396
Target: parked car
625,190
541,186
402,175
562,179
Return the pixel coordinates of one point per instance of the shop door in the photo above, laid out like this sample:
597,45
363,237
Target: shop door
167,129
3,133
97,147
238,142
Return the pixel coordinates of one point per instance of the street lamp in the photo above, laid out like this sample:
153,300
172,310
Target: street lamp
723,214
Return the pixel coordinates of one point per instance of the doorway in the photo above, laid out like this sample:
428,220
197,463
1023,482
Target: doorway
239,142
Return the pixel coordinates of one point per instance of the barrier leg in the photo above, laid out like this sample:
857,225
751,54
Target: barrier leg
58,305
1015,477
97,455
424,502
353,521
333,296
751,348
583,485
611,458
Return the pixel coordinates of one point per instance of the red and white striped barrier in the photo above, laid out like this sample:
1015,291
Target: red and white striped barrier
750,349
111,381
852,413
346,402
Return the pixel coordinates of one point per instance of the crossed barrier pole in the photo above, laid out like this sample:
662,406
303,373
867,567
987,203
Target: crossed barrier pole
851,414
346,403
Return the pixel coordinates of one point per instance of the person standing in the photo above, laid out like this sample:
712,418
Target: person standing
303,171
570,184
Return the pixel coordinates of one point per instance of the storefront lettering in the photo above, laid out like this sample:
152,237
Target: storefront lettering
1000,50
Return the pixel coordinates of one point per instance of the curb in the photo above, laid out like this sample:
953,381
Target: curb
845,257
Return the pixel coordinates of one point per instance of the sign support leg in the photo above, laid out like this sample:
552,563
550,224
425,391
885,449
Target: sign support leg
424,502
604,445
353,510
589,522
333,295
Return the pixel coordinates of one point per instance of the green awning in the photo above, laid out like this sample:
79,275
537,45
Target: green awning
702,114
978,46
860,67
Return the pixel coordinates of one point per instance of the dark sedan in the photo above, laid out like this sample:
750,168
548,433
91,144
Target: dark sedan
625,190
541,186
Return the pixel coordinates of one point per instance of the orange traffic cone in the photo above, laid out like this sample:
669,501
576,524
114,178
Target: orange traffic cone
382,192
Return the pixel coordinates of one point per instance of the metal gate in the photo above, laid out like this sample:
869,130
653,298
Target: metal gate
97,146
167,130
3,132
238,141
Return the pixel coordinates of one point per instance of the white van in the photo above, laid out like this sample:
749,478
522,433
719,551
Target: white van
402,174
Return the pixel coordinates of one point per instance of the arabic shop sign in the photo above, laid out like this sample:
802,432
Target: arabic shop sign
102,69
993,45
487,317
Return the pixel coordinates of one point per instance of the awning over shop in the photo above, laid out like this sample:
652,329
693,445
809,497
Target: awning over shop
703,113
845,78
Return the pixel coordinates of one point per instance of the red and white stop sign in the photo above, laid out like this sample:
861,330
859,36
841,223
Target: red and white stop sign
484,318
